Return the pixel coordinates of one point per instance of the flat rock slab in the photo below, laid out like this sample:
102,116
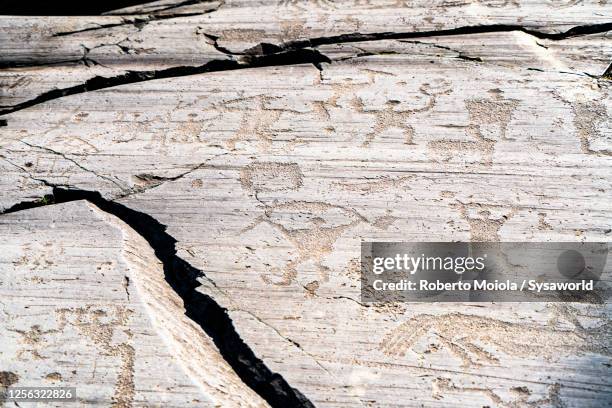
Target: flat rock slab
85,305
304,138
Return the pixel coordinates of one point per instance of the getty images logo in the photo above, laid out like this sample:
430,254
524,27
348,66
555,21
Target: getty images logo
481,271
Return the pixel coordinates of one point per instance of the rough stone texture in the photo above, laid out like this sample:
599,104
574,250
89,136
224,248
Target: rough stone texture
85,304
269,177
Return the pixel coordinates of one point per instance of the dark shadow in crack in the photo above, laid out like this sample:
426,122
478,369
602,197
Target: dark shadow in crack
289,53
291,57
608,72
201,308
26,205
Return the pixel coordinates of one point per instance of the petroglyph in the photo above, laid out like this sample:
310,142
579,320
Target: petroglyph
340,91
132,125
488,121
271,176
313,237
389,118
483,120
478,340
394,116
523,398
588,120
39,255
99,326
385,221
485,221
450,149
543,225
73,145
256,122
376,185
291,29
496,111
35,336
7,379
176,132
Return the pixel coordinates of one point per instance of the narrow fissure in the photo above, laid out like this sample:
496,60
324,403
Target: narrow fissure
290,53
292,57
138,21
199,307
465,30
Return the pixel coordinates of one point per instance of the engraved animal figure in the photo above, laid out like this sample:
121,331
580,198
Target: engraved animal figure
497,111
487,116
312,228
465,336
391,116
521,396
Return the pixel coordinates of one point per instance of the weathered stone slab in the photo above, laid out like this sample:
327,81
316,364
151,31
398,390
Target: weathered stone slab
85,305
269,175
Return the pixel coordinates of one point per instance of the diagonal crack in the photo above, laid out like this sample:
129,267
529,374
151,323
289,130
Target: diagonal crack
287,339
289,53
84,59
29,175
465,30
291,57
138,21
152,181
460,54
26,205
199,307
214,41
80,166
142,19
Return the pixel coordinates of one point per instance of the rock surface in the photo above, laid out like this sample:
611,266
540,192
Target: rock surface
85,304
269,158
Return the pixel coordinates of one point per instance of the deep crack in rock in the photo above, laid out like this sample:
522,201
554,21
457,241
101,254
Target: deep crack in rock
466,30
290,57
289,53
199,307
